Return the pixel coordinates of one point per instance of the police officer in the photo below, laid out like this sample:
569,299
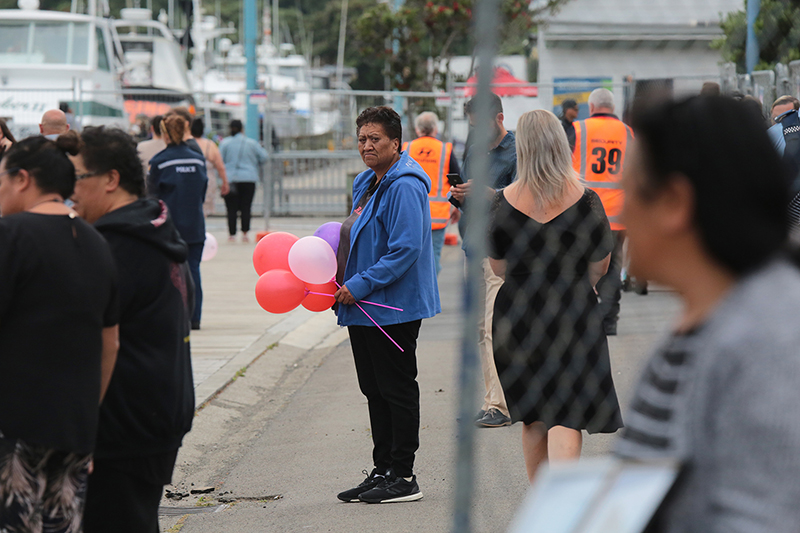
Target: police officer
437,160
599,156
785,136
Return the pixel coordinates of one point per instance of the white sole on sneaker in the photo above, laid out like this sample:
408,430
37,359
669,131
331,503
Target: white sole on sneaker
409,498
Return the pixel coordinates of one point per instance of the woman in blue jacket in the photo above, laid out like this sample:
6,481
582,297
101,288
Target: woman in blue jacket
178,177
386,256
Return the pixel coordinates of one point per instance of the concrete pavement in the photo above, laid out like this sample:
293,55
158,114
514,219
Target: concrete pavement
234,329
292,429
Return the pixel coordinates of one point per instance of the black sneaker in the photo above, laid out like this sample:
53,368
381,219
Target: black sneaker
372,481
640,288
393,490
610,327
493,419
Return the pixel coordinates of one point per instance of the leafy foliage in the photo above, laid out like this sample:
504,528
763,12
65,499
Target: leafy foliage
777,29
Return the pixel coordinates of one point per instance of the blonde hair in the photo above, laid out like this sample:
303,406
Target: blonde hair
173,128
544,160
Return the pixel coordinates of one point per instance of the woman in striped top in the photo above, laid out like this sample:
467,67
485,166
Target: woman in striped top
704,207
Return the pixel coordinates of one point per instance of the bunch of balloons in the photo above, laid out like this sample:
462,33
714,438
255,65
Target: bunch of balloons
297,271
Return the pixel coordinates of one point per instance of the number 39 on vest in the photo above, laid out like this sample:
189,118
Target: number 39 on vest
600,145
434,157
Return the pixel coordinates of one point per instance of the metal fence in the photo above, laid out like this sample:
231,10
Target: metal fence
312,182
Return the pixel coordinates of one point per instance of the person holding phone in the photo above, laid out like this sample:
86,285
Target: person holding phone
502,172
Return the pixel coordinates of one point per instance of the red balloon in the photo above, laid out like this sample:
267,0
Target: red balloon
279,291
316,302
272,252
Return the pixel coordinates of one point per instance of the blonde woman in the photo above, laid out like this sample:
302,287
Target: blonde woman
550,241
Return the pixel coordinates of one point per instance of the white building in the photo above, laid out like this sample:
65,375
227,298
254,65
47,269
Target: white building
594,43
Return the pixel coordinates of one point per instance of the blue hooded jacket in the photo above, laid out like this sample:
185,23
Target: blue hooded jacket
391,253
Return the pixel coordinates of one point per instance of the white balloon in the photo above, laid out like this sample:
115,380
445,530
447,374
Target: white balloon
312,260
209,248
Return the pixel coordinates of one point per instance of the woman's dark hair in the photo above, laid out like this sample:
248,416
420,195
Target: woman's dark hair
6,132
384,116
46,162
495,105
236,126
105,149
155,123
740,184
198,127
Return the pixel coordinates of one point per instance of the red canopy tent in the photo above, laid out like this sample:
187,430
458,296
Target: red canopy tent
503,77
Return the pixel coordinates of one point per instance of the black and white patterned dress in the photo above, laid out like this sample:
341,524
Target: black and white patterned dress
549,345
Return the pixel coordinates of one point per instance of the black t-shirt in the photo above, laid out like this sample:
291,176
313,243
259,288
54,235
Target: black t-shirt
57,293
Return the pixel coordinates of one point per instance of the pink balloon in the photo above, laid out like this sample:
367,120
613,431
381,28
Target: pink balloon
318,302
272,251
279,291
312,260
209,248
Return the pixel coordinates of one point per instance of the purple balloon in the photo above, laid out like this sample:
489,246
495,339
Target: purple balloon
329,232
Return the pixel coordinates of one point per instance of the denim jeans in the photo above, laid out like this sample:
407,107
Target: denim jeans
437,236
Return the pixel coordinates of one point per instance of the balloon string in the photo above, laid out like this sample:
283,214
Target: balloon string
373,321
362,301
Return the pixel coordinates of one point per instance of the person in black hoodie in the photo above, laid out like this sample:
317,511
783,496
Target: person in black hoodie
150,401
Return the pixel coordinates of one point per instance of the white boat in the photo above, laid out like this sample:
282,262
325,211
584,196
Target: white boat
50,59
154,75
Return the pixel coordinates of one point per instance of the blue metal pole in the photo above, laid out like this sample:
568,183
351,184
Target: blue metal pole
752,51
250,20
398,100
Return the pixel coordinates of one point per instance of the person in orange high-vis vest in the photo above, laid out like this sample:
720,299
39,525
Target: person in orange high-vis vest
437,159
601,142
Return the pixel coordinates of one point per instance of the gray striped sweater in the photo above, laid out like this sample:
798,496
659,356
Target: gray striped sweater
725,400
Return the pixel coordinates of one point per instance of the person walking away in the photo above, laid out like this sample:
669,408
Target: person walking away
784,109
54,123
386,255
244,159
437,160
215,171
599,157
502,172
551,243
785,136
719,394
149,148
149,405
569,114
178,177
188,118
58,339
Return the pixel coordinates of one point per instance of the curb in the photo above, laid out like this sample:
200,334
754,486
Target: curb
301,329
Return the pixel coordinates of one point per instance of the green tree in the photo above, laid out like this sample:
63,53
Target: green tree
777,29
438,29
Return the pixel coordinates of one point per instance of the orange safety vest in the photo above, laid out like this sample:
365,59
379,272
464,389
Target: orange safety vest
600,146
434,157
